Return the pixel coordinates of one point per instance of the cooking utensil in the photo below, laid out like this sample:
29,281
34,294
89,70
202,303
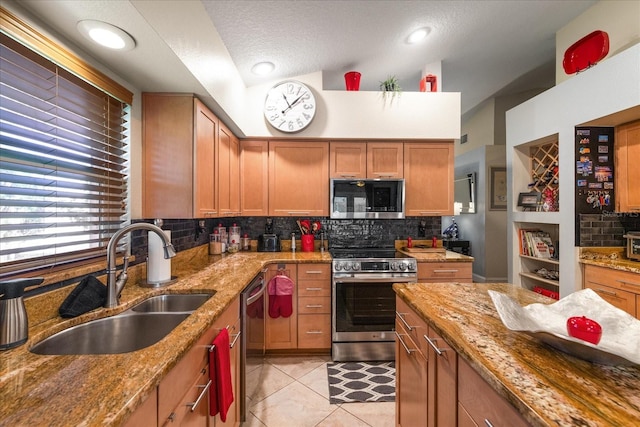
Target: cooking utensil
299,226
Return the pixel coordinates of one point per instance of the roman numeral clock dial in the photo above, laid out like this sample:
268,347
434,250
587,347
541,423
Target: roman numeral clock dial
290,106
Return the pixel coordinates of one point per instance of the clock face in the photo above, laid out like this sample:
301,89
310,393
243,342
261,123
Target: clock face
290,106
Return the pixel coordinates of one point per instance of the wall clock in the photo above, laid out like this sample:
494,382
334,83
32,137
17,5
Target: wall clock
290,106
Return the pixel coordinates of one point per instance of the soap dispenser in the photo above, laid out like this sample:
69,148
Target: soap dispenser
14,326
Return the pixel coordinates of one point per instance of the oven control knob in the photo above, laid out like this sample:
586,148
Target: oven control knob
403,266
394,266
411,266
347,266
356,266
338,266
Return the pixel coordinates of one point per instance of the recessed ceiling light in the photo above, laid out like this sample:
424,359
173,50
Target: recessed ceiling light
106,35
418,35
263,68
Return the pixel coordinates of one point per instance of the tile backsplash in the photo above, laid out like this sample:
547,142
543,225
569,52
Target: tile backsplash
185,233
606,229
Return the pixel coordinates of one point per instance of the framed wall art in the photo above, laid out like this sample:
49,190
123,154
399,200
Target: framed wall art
498,185
529,201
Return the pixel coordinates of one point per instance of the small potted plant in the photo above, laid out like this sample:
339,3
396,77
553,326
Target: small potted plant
390,89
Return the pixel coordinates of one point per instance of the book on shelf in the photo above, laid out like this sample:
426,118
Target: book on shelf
536,243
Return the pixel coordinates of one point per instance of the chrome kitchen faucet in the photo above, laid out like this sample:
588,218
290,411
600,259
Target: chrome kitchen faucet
115,285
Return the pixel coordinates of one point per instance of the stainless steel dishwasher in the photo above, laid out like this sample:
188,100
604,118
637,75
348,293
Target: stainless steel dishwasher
252,307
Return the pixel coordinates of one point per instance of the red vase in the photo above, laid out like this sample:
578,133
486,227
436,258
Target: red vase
352,80
429,83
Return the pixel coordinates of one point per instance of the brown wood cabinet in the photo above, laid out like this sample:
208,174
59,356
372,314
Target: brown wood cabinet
433,272
428,172
619,288
179,138
281,332
442,381
627,153
435,387
254,178
348,159
481,405
188,382
228,172
298,178
366,159
411,380
314,306
385,159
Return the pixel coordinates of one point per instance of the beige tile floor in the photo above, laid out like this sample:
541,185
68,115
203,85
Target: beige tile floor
294,392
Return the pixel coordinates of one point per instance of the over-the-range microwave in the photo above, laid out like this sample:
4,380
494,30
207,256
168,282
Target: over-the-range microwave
367,198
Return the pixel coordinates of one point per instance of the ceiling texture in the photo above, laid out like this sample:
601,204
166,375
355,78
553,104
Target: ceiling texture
485,48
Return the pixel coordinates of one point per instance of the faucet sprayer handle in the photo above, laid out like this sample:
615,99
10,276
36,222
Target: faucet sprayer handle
14,288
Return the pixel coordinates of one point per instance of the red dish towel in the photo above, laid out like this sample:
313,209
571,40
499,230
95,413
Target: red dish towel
221,391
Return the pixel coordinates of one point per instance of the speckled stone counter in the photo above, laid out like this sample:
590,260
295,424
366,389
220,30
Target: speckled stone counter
448,256
548,387
610,257
96,390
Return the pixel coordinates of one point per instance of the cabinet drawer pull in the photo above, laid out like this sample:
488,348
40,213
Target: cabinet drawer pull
348,176
434,346
603,291
235,339
624,282
453,270
314,272
313,289
172,416
313,306
488,423
299,213
404,322
428,213
407,349
204,391
314,332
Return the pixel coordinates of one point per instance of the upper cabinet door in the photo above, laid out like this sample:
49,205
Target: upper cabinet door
627,149
206,136
179,136
428,170
348,160
254,178
228,173
298,178
385,160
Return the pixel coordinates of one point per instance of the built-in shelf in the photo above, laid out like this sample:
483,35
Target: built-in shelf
535,277
547,260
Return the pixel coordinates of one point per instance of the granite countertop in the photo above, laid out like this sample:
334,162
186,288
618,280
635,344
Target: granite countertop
446,256
609,257
548,387
106,389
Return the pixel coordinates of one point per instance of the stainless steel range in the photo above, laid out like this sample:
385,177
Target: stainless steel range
363,302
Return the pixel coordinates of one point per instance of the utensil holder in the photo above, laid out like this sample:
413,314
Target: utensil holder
308,241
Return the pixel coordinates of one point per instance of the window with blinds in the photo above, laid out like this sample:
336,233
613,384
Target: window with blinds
64,163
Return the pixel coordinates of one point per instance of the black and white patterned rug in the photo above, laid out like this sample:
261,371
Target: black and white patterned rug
362,382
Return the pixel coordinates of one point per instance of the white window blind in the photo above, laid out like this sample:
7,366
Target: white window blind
63,163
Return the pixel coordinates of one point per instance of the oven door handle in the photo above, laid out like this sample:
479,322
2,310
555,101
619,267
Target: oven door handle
374,279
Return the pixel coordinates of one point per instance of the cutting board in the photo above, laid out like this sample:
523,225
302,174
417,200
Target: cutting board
425,249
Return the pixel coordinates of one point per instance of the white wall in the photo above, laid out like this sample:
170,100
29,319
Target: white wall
620,19
607,94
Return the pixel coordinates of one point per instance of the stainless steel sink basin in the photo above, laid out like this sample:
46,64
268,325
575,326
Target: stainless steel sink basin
172,303
137,328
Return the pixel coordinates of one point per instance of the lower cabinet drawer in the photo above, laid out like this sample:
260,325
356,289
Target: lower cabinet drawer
314,305
482,403
622,299
445,271
314,331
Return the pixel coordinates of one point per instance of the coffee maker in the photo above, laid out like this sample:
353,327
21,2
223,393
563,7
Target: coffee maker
269,242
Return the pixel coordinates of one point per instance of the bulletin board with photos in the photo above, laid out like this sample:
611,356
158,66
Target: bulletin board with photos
595,189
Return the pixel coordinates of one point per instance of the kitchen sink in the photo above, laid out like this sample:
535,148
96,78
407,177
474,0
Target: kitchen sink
172,303
134,329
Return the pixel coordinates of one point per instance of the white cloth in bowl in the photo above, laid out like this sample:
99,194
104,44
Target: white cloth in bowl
620,330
